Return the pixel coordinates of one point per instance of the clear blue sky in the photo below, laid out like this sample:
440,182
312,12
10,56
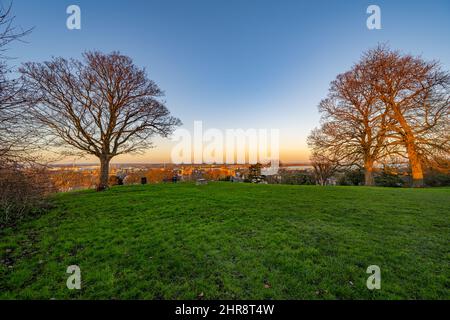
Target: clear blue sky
237,63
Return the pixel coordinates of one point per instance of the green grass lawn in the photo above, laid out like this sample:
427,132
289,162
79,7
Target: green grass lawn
233,241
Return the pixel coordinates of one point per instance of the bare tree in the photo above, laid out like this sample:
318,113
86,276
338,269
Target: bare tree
387,105
9,32
14,145
354,123
23,184
325,166
103,105
416,95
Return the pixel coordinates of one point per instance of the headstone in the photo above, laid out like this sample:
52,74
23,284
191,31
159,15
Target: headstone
237,179
201,182
144,180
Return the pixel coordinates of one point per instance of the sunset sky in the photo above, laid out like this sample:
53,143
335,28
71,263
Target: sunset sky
236,64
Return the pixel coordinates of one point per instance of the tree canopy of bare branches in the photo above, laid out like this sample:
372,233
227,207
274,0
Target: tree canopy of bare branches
354,123
416,95
324,168
103,105
9,32
14,145
12,130
387,105
22,187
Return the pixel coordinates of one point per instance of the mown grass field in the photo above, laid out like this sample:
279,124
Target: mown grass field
233,241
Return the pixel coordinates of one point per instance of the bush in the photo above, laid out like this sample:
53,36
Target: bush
353,177
437,179
67,180
297,178
113,181
22,193
389,180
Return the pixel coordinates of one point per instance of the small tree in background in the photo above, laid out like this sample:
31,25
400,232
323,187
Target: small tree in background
324,168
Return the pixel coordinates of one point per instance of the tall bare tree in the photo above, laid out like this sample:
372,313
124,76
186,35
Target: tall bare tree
103,105
354,123
387,105
13,131
416,95
21,191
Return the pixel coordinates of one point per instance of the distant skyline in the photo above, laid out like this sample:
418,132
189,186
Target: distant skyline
235,64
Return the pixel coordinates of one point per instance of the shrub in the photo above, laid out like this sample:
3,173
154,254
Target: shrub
67,180
22,193
298,178
435,178
113,180
353,177
386,179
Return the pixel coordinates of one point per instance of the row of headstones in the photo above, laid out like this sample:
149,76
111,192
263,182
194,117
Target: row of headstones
174,180
144,180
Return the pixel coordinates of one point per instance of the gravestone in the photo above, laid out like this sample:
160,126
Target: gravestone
201,182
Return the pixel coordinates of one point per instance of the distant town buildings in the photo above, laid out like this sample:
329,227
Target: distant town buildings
67,177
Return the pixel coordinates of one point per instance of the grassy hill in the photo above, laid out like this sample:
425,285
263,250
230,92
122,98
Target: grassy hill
233,241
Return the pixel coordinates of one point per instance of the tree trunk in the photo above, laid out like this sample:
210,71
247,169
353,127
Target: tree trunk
368,173
410,145
416,166
104,173
414,158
